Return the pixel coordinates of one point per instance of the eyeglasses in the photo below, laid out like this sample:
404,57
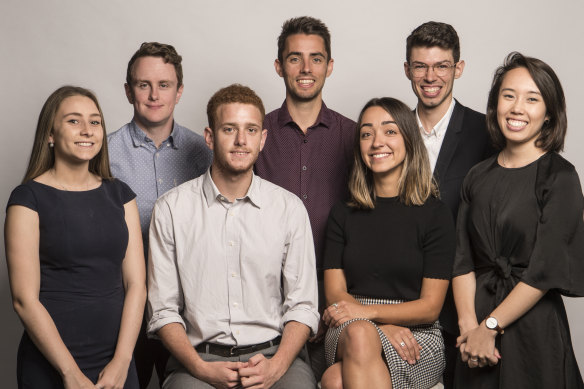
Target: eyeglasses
419,69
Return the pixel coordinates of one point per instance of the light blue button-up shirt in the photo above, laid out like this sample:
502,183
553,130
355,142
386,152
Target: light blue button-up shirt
151,171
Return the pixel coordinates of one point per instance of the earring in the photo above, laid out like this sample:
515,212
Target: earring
51,144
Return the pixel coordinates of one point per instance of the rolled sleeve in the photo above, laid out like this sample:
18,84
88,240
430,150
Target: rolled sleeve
165,298
299,272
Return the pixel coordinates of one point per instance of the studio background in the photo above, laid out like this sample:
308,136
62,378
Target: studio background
47,44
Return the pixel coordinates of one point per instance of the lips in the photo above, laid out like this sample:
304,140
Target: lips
516,125
431,91
304,83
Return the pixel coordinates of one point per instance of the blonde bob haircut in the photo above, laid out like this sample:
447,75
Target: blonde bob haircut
42,157
416,182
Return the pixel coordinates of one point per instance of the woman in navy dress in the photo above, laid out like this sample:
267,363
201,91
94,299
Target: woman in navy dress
74,254
520,240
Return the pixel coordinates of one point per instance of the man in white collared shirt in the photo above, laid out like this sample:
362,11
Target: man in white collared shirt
232,280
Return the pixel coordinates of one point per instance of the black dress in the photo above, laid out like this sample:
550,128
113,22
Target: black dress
525,225
83,241
385,253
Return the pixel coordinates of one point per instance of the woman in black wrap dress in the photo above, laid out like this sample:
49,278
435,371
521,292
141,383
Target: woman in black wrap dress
520,240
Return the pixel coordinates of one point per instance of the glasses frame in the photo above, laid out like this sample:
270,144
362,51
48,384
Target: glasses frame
420,69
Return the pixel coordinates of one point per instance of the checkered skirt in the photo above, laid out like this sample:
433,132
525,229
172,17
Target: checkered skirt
424,374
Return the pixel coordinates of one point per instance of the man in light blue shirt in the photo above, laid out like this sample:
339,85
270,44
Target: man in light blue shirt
153,154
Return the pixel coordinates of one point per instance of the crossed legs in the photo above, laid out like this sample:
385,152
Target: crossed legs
360,362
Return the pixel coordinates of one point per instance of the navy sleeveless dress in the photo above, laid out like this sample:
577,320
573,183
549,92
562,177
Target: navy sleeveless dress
83,241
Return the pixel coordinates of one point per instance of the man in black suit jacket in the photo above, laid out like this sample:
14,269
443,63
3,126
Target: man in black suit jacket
455,136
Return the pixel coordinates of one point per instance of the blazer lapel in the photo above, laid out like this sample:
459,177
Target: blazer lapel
450,143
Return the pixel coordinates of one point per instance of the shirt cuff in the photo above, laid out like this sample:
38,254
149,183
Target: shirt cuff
305,315
160,320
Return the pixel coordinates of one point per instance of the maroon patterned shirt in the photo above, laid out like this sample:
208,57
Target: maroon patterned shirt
314,166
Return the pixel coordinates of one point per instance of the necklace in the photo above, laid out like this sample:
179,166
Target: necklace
54,174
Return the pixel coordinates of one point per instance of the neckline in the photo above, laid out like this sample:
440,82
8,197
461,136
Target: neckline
68,191
520,167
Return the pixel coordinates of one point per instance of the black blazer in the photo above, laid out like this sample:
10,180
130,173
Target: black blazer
465,144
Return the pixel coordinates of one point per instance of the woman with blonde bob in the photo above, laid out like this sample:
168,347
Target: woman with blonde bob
388,260
520,240
74,253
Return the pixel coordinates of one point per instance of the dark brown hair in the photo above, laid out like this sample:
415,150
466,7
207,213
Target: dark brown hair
431,34
155,49
553,131
304,25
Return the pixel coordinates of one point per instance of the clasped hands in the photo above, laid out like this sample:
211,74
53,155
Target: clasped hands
477,346
258,372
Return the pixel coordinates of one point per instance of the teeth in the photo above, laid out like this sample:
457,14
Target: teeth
380,155
432,89
84,143
516,123
305,82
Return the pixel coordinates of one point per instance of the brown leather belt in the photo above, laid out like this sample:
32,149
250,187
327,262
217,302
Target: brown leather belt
234,351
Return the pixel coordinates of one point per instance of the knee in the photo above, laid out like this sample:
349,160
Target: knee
332,378
359,339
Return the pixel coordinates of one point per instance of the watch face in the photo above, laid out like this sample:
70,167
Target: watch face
491,323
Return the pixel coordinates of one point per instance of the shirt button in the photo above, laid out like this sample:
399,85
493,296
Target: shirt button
235,304
237,332
304,197
230,243
303,167
233,275
160,180
305,140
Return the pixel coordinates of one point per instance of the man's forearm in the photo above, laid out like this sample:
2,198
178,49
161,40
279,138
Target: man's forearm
294,338
175,339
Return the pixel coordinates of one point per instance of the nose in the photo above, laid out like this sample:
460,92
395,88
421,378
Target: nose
430,74
153,93
240,138
86,129
377,141
306,65
517,106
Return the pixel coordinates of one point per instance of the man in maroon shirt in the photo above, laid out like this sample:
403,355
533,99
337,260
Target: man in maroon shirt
309,148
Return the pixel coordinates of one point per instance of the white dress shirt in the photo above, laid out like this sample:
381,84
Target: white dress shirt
231,273
433,139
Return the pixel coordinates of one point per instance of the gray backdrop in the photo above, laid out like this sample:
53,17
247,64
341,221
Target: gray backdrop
46,44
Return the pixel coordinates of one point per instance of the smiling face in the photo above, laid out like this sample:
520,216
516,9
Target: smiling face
433,91
521,111
77,130
381,143
237,139
305,67
154,92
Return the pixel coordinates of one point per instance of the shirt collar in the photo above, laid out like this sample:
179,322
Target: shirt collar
212,193
440,128
324,117
139,137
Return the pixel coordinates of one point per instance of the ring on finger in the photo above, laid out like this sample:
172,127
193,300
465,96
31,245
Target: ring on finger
474,359
402,344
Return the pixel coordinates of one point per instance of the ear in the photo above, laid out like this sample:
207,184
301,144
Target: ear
278,67
407,71
264,136
179,94
129,93
329,67
209,137
458,69
51,139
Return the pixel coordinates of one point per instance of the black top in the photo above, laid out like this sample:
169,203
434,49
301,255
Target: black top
524,224
385,252
82,244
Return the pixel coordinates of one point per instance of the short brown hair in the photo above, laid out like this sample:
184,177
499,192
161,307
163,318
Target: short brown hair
155,49
553,131
304,25
42,157
434,34
234,93
416,183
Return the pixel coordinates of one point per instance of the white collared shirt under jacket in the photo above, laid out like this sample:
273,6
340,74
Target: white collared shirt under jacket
435,137
231,273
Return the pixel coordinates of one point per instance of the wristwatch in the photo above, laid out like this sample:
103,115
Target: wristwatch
493,324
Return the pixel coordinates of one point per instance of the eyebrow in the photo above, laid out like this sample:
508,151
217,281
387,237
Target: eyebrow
384,123
315,54
513,90
250,124
78,114
435,63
